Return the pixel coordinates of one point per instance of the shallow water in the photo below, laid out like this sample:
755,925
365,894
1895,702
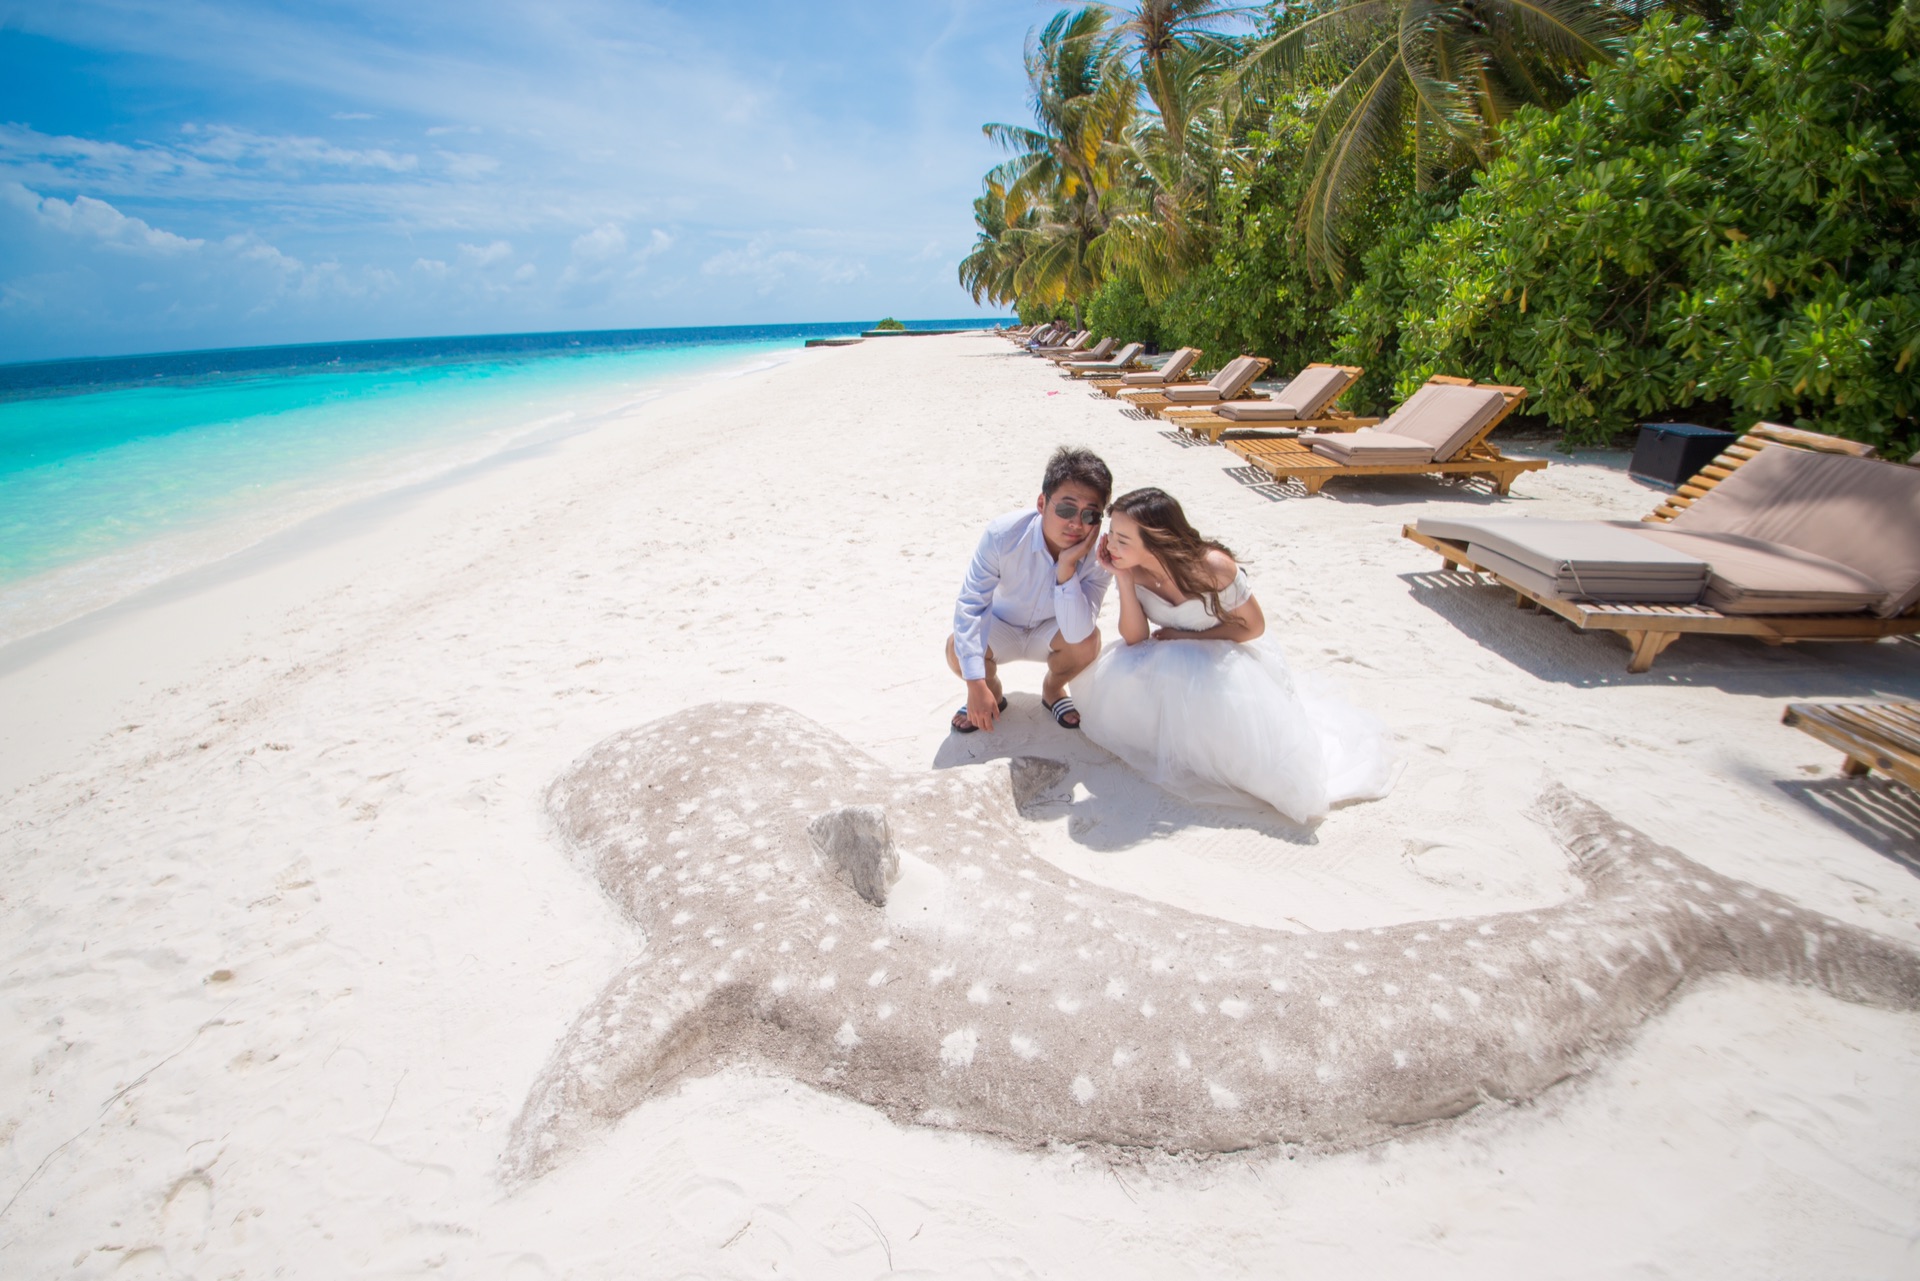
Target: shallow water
116,474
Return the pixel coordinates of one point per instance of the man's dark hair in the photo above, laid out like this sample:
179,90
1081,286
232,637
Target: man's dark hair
1077,465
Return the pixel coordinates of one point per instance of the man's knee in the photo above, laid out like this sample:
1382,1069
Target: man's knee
953,658
1081,652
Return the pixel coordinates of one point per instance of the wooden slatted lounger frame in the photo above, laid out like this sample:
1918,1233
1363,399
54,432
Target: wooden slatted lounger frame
1874,736
1287,459
1649,629
1156,402
1204,421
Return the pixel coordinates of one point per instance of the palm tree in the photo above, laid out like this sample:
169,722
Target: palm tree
1452,70
1060,172
1177,154
990,271
1177,44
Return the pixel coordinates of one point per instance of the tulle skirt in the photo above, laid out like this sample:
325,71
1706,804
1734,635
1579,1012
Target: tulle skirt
1226,723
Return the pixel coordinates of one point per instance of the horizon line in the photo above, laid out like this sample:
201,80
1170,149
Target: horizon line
983,322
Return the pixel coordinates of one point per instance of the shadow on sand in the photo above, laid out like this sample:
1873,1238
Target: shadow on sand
1106,805
1879,813
1379,491
1548,647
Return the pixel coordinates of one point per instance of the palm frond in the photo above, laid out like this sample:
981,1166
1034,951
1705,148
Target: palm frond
1359,129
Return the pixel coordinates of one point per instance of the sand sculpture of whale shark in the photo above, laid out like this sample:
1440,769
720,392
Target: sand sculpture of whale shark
755,851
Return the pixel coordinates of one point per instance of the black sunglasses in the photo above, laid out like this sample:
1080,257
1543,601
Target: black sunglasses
1067,511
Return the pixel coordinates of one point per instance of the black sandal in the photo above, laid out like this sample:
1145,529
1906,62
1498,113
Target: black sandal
970,727
1061,709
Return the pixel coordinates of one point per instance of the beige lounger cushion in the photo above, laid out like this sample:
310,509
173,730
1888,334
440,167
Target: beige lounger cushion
1859,512
1369,446
1179,363
1121,359
1445,416
1563,584
1307,396
1257,411
1312,390
1176,365
1232,378
1576,559
1751,576
1202,394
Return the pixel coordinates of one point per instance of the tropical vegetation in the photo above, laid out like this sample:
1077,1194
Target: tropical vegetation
1705,208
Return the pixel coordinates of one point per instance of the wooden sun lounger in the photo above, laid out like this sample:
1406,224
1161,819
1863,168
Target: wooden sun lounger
1874,736
1204,421
1288,459
1098,351
1649,629
1111,386
1101,377
1156,402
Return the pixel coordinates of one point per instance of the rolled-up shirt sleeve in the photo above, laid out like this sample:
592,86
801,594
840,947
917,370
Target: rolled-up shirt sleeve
970,610
1076,602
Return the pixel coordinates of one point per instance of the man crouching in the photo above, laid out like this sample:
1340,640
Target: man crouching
1033,593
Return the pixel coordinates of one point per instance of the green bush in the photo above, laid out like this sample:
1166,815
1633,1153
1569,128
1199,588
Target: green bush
1368,321
1256,293
1722,216
1119,310
889,323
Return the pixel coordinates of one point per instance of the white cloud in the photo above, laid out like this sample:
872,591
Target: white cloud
486,255
769,269
434,267
286,151
353,115
603,242
96,220
467,165
658,242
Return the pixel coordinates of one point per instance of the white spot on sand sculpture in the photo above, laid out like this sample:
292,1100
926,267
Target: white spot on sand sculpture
1037,1062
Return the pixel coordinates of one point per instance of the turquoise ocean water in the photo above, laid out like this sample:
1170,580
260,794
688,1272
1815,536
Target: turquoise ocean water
116,474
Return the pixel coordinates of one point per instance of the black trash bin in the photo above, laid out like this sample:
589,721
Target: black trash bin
1670,453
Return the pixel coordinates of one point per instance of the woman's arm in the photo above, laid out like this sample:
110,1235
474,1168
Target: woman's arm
1134,626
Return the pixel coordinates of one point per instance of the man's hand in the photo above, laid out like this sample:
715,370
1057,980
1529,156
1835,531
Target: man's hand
1071,555
983,709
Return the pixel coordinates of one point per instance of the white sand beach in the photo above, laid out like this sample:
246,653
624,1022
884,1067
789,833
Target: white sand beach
287,932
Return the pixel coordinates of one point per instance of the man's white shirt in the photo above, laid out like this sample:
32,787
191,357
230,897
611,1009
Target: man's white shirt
1013,577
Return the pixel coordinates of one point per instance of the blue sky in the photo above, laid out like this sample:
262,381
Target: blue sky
195,173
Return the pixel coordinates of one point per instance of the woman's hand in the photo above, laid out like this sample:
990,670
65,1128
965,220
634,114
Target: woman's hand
1121,574
1175,633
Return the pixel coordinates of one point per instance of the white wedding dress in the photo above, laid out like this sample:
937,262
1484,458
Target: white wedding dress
1226,723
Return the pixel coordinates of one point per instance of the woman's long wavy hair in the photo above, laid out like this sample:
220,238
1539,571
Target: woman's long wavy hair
1174,542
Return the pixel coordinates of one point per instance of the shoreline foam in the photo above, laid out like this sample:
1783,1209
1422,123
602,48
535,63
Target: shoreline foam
33,605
